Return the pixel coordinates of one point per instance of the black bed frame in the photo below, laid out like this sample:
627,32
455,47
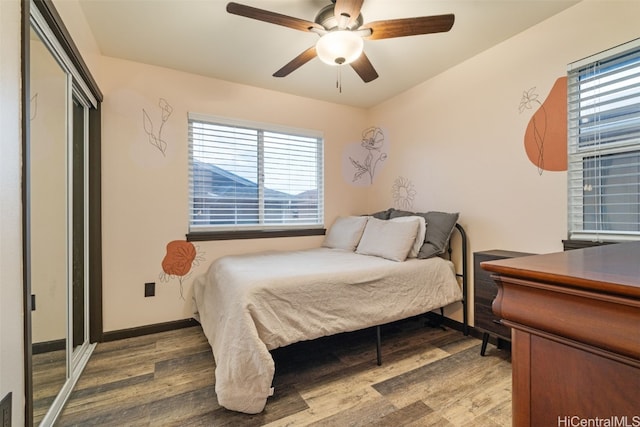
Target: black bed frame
464,277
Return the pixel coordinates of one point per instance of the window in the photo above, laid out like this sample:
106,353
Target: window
604,145
248,176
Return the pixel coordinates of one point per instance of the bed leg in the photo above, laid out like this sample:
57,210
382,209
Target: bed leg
485,340
378,346
441,324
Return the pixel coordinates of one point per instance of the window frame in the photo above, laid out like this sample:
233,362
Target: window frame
598,151
260,230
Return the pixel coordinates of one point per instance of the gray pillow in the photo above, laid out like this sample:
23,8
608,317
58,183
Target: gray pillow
397,213
382,214
439,228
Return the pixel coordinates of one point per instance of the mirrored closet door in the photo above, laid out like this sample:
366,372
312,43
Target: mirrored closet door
58,219
47,223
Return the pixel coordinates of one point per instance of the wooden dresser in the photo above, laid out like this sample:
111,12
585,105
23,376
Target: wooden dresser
575,319
484,292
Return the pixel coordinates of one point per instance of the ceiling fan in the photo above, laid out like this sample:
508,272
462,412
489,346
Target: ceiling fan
341,30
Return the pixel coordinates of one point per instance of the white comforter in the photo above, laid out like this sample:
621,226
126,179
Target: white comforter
250,304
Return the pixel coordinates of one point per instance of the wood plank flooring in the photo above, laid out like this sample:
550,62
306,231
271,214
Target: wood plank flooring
429,377
49,375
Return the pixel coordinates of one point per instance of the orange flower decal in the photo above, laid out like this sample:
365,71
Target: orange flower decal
180,258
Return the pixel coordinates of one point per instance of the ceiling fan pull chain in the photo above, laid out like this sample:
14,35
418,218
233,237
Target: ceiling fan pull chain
339,78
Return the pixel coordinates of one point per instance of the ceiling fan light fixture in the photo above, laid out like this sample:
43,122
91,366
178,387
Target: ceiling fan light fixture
339,47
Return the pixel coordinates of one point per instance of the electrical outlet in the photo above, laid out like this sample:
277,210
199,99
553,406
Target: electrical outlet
149,289
5,411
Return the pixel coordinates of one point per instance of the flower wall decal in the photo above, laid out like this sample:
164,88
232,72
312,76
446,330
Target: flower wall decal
403,192
373,144
527,102
528,97
181,257
147,123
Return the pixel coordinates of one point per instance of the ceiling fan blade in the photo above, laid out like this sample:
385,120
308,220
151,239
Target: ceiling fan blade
365,70
347,10
271,17
296,62
391,28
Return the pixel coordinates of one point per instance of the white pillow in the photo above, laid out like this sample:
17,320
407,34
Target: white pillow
422,231
345,232
388,239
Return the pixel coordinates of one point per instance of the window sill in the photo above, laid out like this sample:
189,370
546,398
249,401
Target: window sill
581,244
252,234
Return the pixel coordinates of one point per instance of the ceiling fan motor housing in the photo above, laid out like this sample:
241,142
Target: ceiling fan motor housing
326,17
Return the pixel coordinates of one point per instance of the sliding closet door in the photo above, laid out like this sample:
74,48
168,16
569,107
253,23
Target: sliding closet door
79,289
47,238
62,231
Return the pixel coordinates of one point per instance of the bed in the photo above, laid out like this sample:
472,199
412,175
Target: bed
251,304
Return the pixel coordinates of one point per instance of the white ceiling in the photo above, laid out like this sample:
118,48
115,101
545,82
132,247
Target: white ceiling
200,37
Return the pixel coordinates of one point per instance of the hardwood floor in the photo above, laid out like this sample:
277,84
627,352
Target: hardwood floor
428,377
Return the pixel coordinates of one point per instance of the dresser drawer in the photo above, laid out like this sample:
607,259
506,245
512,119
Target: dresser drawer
485,291
489,322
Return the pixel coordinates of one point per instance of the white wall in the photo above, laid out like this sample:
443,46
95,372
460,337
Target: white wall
462,134
145,193
11,315
457,137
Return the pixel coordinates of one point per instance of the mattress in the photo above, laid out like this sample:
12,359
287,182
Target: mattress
251,304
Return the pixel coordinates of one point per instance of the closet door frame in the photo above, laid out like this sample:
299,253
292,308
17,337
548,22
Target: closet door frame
81,77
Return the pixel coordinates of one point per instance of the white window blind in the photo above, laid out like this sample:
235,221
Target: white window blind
604,145
247,176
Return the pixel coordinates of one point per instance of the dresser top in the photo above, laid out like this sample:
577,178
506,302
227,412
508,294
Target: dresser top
613,269
501,253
